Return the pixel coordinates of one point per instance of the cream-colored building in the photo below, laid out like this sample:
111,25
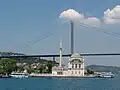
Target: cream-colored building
75,67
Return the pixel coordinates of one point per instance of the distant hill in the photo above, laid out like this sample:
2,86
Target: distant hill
9,53
102,68
27,60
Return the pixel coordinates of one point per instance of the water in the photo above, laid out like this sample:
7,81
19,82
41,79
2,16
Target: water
60,84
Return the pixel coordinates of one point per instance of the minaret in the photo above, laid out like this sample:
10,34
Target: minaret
60,63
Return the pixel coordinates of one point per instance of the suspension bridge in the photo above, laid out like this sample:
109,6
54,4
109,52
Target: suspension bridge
72,47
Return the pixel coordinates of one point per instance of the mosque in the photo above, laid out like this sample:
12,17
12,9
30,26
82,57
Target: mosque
75,66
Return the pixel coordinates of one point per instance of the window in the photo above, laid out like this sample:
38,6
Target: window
79,65
81,68
59,73
75,65
75,72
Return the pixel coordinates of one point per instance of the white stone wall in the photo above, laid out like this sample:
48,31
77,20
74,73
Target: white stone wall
79,71
54,72
69,65
65,72
73,71
76,72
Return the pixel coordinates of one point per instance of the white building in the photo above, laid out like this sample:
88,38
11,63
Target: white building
75,66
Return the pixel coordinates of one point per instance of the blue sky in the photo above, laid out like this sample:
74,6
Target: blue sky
24,20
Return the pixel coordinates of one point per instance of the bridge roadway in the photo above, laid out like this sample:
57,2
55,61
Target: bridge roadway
57,55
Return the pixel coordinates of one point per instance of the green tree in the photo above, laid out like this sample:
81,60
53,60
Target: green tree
7,66
90,71
20,68
41,70
49,66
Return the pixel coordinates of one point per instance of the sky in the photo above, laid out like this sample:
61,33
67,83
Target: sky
24,20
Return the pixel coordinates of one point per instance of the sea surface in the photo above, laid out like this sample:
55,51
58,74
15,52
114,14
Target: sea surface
60,83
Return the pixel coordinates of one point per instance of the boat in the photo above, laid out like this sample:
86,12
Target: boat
106,75
19,75
4,76
109,75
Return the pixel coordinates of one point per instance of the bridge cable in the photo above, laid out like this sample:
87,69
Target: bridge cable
38,39
35,39
97,29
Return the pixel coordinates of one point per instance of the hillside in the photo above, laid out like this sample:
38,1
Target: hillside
25,60
97,68
102,68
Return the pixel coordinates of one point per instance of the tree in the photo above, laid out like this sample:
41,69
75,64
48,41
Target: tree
20,68
41,70
49,67
7,66
90,71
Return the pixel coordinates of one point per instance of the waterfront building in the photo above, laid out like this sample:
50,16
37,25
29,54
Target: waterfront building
75,66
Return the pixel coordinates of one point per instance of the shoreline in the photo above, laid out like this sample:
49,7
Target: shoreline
68,76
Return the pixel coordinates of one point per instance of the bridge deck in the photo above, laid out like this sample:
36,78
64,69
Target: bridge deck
57,55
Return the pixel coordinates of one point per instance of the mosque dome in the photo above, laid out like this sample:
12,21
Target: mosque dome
76,55
54,68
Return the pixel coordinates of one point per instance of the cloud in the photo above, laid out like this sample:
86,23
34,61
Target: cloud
112,16
92,20
73,15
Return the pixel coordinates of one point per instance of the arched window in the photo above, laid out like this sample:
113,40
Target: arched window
75,65
79,65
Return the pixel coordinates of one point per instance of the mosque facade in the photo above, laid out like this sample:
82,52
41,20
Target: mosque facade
75,67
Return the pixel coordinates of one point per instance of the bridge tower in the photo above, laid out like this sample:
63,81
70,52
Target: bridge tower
72,37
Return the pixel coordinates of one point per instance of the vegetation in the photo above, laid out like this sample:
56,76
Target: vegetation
7,66
45,66
49,67
101,68
89,71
